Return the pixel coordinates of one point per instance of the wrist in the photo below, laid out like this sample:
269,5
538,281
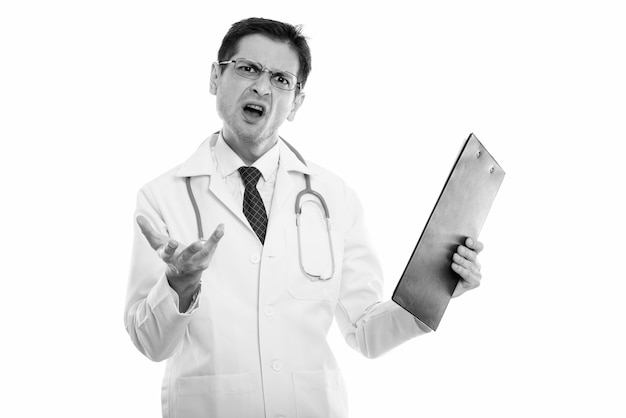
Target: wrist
187,293
184,286
421,325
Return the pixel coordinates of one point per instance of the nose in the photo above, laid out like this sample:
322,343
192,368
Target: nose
262,85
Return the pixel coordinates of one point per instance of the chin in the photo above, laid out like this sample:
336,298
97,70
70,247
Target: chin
249,136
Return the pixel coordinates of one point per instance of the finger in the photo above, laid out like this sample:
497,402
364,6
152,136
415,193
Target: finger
472,254
466,253
468,269
469,279
211,243
155,240
168,250
456,258
469,261
216,236
190,251
475,245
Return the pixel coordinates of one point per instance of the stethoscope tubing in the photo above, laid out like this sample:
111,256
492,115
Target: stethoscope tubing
298,211
195,209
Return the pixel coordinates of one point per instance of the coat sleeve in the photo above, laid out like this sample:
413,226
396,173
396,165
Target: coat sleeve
368,324
151,315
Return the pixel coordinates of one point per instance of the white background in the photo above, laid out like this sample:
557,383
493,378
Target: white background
97,98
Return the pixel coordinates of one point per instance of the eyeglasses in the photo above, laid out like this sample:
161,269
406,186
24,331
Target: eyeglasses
246,68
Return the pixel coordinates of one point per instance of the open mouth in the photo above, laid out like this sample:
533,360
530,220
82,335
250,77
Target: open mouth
254,110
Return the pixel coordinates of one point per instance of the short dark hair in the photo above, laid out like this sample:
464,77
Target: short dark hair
273,29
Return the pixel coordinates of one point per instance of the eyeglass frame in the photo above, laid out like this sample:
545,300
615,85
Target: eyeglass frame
298,84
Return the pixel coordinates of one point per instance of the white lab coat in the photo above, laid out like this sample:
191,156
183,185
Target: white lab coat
255,346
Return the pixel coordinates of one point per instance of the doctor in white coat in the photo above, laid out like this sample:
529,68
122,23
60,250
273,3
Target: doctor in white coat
238,317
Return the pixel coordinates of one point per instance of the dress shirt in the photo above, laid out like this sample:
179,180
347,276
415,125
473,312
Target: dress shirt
227,162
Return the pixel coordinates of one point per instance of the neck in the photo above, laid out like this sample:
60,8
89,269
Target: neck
250,151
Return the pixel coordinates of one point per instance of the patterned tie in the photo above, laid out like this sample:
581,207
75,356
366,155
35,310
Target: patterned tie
253,206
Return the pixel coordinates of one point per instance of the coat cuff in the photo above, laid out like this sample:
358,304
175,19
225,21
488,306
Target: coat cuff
162,298
388,327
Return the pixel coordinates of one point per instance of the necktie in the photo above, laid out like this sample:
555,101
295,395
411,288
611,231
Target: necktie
253,206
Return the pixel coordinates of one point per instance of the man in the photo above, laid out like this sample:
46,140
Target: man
242,317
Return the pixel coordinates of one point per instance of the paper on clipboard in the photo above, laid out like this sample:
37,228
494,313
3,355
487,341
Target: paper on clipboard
428,281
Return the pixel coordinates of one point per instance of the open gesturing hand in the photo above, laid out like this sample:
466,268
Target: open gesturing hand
184,265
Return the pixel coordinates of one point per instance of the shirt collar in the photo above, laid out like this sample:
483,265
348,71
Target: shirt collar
201,162
228,161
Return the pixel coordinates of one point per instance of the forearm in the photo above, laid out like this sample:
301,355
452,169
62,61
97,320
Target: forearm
368,324
155,323
384,327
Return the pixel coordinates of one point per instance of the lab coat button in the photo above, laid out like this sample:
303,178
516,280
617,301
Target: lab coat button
269,311
255,258
276,365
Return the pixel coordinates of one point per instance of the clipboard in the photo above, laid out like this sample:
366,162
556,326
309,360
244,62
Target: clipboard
428,281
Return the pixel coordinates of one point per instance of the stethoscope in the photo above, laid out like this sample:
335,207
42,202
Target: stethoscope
298,211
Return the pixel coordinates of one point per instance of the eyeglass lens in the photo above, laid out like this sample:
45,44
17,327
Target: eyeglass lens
252,69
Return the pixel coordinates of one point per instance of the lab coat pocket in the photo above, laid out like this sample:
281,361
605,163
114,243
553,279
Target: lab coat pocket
216,396
320,393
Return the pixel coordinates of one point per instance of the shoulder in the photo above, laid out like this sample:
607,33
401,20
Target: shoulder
323,177
341,198
199,163
330,179
163,181
324,173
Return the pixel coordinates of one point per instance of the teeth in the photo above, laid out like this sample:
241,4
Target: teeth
255,107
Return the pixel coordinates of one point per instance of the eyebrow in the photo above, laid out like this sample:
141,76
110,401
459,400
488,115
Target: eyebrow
274,70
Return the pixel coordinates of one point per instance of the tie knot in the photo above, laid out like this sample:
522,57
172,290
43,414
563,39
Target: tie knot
250,176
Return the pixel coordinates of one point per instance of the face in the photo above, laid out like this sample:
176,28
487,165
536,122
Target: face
253,110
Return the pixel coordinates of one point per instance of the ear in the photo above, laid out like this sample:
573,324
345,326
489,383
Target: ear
297,102
215,76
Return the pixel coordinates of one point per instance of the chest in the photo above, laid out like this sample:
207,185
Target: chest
302,256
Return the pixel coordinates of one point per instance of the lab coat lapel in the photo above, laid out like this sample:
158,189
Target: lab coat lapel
222,194
282,189
289,165
201,164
